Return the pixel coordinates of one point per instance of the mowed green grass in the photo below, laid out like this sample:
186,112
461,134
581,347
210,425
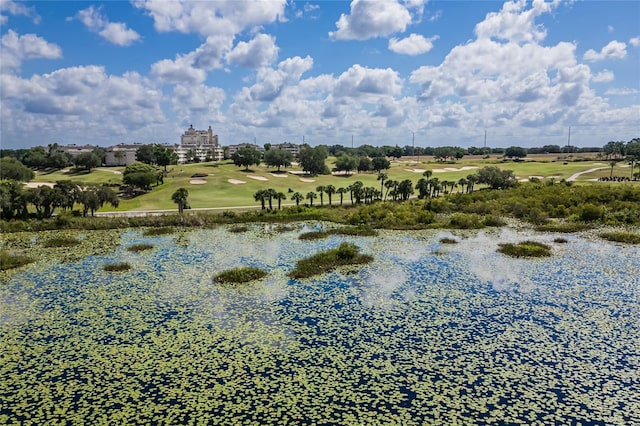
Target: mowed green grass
219,192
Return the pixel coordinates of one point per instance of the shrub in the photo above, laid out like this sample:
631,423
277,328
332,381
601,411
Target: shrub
622,237
360,231
591,213
61,242
9,260
492,220
240,275
525,249
566,227
466,221
447,240
140,247
344,254
238,229
157,231
117,267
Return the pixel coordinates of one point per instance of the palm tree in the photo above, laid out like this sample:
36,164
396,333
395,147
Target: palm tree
423,188
612,164
445,183
342,191
271,194
310,197
427,174
389,184
320,189
280,196
462,182
471,180
260,195
382,177
330,190
297,197
180,198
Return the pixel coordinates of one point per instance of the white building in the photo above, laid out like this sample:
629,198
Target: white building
200,144
121,155
231,149
293,148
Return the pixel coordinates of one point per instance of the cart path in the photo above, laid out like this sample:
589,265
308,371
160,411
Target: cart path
576,175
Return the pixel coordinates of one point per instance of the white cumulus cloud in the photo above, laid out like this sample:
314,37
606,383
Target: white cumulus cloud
603,76
259,52
114,32
415,44
212,18
372,18
614,50
634,41
16,48
515,22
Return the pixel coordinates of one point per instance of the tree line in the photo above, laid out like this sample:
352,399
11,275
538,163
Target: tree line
392,190
15,199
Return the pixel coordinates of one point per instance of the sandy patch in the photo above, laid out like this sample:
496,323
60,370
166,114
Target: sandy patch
598,164
536,177
307,180
262,178
236,181
38,184
523,180
453,169
197,181
416,170
297,172
278,174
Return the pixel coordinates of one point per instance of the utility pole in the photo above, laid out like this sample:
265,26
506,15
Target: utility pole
413,141
569,140
351,141
485,140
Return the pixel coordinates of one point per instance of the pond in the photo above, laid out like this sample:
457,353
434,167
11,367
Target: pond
427,333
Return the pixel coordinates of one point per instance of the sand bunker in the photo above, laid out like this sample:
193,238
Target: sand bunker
197,181
257,177
453,169
38,184
236,181
297,172
307,180
278,174
416,170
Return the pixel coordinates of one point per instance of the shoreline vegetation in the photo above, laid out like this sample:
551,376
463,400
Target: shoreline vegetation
560,207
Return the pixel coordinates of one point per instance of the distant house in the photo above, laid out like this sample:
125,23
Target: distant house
231,149
288,146
121,154
200,144
74,150
124,154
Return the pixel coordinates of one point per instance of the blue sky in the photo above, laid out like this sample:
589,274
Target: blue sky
380,71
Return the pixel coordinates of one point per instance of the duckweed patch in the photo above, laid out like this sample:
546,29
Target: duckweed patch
564,227
11,260
140,247
448,240
238,229
240,275
473,337
525,249
61,242
359,231
628,237
117,267
154,232
327,260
